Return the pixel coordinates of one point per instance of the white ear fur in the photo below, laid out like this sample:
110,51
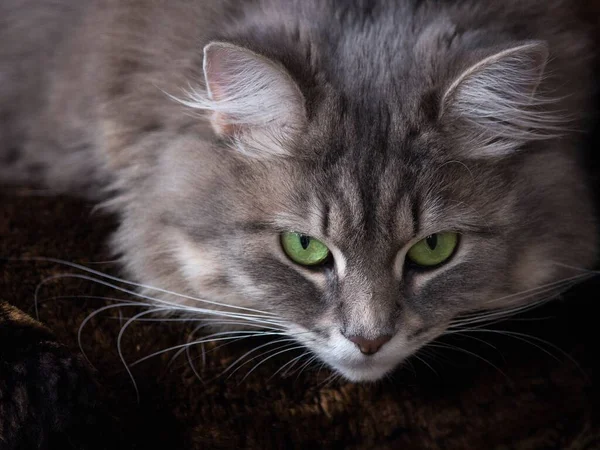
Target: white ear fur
254,101
494,105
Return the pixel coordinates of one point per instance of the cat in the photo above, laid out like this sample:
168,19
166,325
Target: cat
362,176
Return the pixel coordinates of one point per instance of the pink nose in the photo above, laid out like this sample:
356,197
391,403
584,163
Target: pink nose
369,346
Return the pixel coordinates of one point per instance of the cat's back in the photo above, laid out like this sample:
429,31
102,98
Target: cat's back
33,34
41,89
62,62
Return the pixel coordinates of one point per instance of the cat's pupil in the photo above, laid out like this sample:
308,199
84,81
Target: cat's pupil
304,241
432,241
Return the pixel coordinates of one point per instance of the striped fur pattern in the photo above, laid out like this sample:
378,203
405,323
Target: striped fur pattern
211,127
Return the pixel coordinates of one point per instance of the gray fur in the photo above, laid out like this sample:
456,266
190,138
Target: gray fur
393,148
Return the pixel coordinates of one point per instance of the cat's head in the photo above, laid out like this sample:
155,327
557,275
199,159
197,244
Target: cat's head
366,223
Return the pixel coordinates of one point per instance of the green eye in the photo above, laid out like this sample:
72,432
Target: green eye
304,250
433,250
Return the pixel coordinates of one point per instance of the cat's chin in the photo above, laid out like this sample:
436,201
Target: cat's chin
363,373
364,369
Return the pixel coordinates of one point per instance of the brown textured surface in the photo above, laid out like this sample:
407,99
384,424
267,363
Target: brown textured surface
530,401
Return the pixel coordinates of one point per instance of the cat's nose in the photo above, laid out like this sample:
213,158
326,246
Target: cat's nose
369,346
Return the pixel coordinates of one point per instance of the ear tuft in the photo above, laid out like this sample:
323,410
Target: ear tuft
254,101
495,105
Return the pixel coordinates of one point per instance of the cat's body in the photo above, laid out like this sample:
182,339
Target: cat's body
369,125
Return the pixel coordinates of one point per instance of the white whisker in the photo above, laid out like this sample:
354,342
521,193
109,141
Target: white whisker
208,322
330,379
574,278
120,349
525,338
297,347
476,317
189,338
189,356
455,348
292,362
427,364
94,314
171,306
228,368
237,335
306,365
579,269
144,286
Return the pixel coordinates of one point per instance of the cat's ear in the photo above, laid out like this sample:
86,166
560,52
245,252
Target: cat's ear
254,100
495,106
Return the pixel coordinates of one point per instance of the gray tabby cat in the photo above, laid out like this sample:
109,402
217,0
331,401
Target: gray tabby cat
358,174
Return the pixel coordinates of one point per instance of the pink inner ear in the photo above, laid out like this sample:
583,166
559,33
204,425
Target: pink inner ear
216,71
218,74
221,126
252,98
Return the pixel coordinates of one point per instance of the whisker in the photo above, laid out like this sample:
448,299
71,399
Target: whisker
525,338
120,349
268,358
293,368
188,354
189,345
574,278
330,379
482,341
247,319
84,297
427,364
172,306
131,283
410,365
189,338
455,348
580,269
219,322
120,316
306,365
489,319
498,316
209,338
207,322
486,316
292,362
94,314
250,352
191,362
234,341
434,355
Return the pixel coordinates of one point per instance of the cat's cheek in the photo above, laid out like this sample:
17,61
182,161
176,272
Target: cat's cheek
534,268
204,273
195,264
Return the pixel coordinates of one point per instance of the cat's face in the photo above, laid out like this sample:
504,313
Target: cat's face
366,237
225,215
